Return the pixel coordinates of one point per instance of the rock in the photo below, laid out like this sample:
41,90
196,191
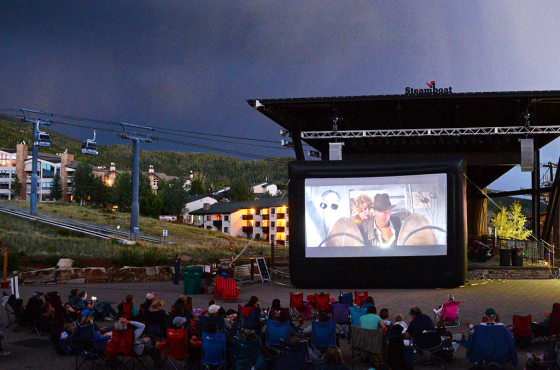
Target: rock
68,274
64,263
38,276
72,281
129,274
162,273
150,271
96,274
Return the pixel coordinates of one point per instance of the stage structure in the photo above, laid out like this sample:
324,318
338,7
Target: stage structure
482,131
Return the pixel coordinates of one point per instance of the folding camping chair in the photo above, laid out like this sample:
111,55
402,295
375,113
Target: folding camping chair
176,348
296,307
554,328
213,347
366,340
276,332
450,314
248,321
295,356
430,345
219,282
341,315
321,304
355,314
345,298
483,346
248,355
230,290
13,310
274,314
521,329
89,354
359,298
323,336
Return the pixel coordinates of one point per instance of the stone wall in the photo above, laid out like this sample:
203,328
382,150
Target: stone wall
96,275
510,274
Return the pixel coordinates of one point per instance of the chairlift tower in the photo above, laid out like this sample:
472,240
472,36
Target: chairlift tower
136,138
40,138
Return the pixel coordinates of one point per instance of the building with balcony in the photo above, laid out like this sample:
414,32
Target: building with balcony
258,218
109,176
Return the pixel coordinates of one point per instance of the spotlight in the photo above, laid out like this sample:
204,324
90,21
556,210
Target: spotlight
312,153
287,144
285,132
258,104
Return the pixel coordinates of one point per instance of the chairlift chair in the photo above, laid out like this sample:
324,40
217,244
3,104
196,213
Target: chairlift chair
90,146
43,139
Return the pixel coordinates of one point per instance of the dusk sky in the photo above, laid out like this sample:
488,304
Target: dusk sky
191,65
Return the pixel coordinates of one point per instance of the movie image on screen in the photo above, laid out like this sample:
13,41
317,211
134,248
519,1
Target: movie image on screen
376,216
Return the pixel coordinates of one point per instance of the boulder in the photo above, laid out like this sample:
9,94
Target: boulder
72,281
129,274
96,274
64,263
150,271
38,276
68,274
162,273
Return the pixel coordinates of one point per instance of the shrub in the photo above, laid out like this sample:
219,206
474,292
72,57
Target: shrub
129,257
13,261
63,232
154,256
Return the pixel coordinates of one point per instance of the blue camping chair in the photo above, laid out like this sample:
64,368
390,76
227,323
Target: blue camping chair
248,355
341,315
295,356
277,331
355,314
345,298
323,334
213,347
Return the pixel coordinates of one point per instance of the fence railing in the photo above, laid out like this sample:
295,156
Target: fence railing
534,251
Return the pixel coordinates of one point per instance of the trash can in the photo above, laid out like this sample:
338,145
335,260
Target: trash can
505,257
481,254
516,256
191,279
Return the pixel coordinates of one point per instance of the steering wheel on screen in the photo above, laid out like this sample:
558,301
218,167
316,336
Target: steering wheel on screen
420,229
341,234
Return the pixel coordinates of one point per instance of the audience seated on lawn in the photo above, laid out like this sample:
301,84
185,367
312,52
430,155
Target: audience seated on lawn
384,314
323,317
221,311
399,321
333,360
145,307
368,302
439,311
157,315
127,309
108,312
183,306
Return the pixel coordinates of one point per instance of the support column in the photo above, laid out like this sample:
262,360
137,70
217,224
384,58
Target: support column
536,187
135,208
477,213
33,200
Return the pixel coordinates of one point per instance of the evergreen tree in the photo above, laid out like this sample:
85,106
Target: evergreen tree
82,182
174,198
98,192
197,188
152,206
240,190
56,187
122,192
17,187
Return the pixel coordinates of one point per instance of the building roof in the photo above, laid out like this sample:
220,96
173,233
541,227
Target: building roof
12,151
487,156
194,198
231,207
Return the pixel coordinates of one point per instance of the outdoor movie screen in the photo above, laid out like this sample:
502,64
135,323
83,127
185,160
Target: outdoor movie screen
376,216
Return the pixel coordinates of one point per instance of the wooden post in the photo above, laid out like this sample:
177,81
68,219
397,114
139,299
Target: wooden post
272,252
5,276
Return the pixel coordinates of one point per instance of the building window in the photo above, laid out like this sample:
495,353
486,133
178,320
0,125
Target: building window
13,174
6,160
209,227
257,224
48,171
226,218
208,218
46,185
286,210
4,174
4,196
4,185
272,224
226,230
272,211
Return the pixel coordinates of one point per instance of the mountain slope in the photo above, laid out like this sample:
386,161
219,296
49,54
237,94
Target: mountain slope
213,167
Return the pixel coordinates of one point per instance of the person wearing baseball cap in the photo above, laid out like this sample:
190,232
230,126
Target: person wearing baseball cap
145,307
213,310
492,316
381,230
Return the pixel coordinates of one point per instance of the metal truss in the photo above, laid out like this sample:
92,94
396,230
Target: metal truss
357,134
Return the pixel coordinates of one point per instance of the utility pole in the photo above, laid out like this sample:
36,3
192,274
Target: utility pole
39,139
136,138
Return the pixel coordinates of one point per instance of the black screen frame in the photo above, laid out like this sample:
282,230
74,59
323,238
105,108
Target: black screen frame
447,271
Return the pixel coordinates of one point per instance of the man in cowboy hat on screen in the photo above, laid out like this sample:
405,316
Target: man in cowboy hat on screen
381,230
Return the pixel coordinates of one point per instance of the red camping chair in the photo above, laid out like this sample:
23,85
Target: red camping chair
322,304
522,330
450,314
176,348
219,282
122,345
360,297
248,320
297,308
274,314
554,328
230,290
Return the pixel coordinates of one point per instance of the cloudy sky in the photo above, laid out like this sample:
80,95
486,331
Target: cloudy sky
191,65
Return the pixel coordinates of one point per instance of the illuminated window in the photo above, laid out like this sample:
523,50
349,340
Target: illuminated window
48,171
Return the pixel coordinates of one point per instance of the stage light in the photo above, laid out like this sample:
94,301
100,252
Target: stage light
312,153
285,132
287,144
